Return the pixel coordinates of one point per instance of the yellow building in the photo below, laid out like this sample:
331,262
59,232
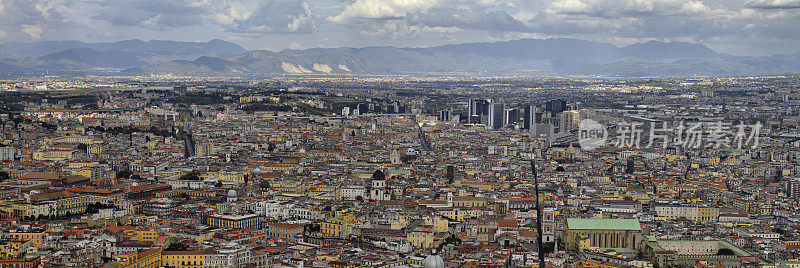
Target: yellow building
227,177
469,201
182,259
593,264
52,155
584,243
284,230
150,258
24,210
94,149
461,214
606,233
336,227
204,149
235,222
694,213
51,204
420,239
142,235
439,224
12,249
36,239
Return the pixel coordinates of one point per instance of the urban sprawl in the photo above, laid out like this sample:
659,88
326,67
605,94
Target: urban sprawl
165,171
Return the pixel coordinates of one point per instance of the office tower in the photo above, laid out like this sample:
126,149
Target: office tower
570,120
477,109
445,115
528,116
544,133
496,115
555,107
512,116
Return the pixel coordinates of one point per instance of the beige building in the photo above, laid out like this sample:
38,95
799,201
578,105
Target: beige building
604,233
698,214
204,149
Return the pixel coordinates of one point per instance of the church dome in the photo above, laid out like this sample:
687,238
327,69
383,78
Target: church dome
433,261
232,193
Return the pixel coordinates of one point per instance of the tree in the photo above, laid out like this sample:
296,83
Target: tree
378,175
82,147
124,174
359,198
191,176
4,176
176,247
725,251
549,247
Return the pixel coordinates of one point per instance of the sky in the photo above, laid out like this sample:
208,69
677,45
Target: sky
738,27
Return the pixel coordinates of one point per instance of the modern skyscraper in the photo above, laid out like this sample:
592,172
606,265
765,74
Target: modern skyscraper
477,109
555,107
512,116
496,115
528,116
445,115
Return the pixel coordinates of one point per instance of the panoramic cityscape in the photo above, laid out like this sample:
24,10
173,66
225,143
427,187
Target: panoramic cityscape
399,133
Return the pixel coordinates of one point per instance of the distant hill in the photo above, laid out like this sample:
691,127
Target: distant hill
557,56
87,58
201,66
214,47
6,68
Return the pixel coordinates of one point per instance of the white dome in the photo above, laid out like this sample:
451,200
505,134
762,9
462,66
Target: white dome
433,261
257,171
232,193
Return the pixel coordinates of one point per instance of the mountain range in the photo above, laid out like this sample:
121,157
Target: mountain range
557,56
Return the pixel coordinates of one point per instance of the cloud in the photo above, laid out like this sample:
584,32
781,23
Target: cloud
774,4
383,9
18,12
160,15
34,31
266,16
413,17
753,26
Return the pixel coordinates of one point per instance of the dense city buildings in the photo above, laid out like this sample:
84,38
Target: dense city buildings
385,171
